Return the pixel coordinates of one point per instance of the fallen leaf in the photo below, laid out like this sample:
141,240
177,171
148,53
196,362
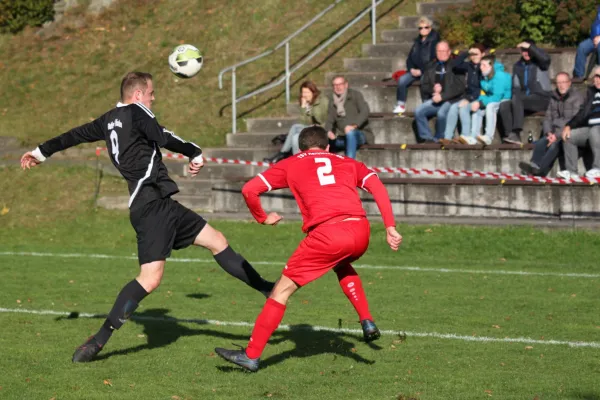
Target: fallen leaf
502,364
107,382
489,392
198,279
507,318
141,335
550,289
353,349
27,380
4,210
71,281
269,394
18,301
132,385
428,230
304,301
503,259
573,295
528,347
496,326
176,397
393,347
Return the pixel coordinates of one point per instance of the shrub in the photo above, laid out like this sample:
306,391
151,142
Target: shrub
504,23
537,20
573,20
496,23
17,14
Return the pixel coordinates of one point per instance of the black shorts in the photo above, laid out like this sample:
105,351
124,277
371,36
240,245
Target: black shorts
163,225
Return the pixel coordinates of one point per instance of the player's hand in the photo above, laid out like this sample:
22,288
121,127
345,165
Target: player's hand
272,219
331,135
194,168
28,160
393,238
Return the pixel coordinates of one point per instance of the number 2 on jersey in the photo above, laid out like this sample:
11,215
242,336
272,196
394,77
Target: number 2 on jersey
324,171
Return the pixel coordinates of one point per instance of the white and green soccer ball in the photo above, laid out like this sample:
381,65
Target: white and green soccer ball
185,61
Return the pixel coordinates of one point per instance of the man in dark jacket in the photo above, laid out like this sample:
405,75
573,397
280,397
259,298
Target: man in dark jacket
586,47
531,90
421,52
440,87
564,105
347,118
582,130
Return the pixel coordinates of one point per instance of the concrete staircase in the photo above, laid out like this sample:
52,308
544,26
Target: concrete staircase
411,197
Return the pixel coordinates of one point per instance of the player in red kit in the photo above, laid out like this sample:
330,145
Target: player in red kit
324,186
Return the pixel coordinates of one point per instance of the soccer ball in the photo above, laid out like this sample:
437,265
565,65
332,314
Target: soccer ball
185,61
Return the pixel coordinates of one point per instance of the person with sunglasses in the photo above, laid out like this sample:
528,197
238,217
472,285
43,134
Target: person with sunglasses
584,130
421,52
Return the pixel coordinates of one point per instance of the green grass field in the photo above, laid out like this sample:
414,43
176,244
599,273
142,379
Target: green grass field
460,294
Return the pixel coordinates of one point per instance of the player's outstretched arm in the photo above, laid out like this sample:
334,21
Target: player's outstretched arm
272,179
86,133
172,142
371,183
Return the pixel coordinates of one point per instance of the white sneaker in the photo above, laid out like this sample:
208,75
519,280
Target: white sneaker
484,140
565,174
400,109
467,140
593,173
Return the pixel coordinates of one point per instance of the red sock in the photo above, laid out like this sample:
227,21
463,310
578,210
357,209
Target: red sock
352,287
268,320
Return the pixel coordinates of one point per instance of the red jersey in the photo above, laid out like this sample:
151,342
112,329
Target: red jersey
324,186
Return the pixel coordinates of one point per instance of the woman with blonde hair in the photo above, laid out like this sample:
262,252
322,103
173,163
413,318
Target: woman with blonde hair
313,111
421,52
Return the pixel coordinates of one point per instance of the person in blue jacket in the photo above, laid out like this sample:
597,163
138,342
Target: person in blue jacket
586,47
496,87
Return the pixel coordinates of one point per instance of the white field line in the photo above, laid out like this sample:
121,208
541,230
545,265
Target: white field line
281,264
436,335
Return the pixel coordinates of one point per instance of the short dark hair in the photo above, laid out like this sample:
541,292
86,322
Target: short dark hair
313,136
133,81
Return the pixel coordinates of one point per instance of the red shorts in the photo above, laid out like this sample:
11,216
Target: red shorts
325,247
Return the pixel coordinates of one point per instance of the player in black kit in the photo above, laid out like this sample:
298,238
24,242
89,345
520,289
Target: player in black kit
134,138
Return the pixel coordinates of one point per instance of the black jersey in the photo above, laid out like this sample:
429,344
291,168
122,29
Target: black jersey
133,139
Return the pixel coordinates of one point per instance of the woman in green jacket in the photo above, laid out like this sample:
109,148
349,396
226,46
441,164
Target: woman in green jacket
313,111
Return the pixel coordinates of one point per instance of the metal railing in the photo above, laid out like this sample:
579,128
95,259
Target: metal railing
289,71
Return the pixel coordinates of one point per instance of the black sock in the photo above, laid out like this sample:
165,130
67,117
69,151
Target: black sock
126,303
236,265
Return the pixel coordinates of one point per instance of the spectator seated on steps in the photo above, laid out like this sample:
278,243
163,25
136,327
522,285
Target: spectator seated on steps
470,69
440,88
313,111
587,47
347,119
421,52
564,105
531,90
584,130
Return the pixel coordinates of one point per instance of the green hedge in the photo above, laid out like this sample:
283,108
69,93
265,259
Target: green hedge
17,14
504,23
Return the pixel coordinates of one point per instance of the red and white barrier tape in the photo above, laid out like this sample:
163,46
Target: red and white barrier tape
410,171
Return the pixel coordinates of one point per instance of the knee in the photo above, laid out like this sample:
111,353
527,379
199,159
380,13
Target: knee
218,243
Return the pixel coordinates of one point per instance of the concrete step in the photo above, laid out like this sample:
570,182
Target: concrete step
213,171
412,21
357,79
473,159
449,200
375,64
438,6
380,50
199,203
403,35
386,129
274,125
240,153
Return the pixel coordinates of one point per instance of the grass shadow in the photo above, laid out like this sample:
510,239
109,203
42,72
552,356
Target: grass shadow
161,331
198,296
